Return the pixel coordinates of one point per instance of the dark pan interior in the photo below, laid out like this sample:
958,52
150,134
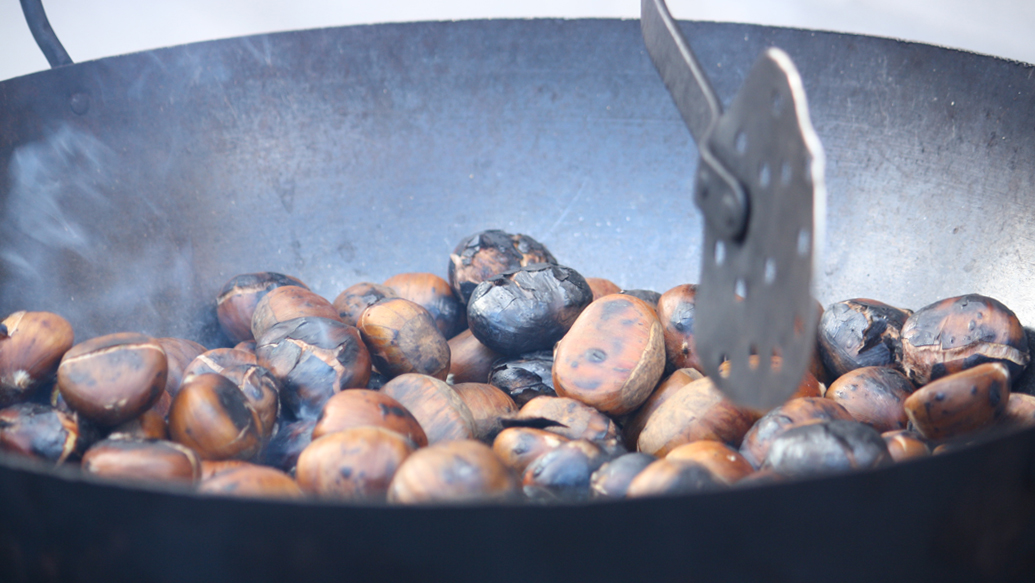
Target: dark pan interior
132,188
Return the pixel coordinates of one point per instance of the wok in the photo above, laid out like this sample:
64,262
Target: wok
133,187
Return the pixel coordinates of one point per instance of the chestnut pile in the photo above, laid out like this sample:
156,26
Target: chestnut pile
517,378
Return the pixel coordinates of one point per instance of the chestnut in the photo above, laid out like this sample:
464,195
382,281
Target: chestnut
827,447
357,463
351,302
236,300
463,471
874,395
139,460
245,346
40,432
262,392
527,309
958,333
602,287
287,303
217,360
360,407
525,376
697,411
470,361
795,412
860,332
211,416
571,419
436,296
111,379
179,353
647,296
150,424
484,255
210,468
402,338
517,447
314,359
960,403
287,444
668,386
904,444
612,479
1020,411
31,347
488,405
667,477
563,473
612,357
722,460
441,412
251,480
676,310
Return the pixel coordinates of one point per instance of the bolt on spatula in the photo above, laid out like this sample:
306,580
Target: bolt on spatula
759,185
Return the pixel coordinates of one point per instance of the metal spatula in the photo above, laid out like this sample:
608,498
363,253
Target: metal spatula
760,187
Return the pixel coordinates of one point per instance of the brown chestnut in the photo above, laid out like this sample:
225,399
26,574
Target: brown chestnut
676,310
111,379
31,347
217,360
251,480
724,462
236,300
362,407
470,361
402,338
874,395
958,333
211,416
1020,411
453,472
287,443
668,386
571,419
904,444
667,477
314,359
517,447
602,287
262,392
139,460
484,255
436,296
960,403
352,464
795,412
488,406
441,412
179,353
351,302
612,357
40,432
287,303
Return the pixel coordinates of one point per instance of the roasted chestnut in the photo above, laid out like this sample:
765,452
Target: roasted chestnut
179,353
612,479
111,379
217,360
488,406
519,446
612,357
356,298
262,392
667,477
236,301
958,333
571,419
31,347
353,464
525,376
527,309
961,403
860,332
402,338
904,444
314,359
795,412
1020,411
668,386
362,407
211,416
874,395
470,361
827,447
40,432
287,444
723,461
453,472
487,254
436,296
441,412
151,460
602,287
676,310
251,480
287,303
563,473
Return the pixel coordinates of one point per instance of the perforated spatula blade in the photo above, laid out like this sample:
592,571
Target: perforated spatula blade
760,187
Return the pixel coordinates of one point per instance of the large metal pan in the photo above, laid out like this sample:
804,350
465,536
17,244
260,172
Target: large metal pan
133,187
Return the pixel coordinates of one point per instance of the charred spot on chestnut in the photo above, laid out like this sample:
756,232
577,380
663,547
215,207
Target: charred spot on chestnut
487,254
524,377
38,431
827,447
402,338
436,296
212,417
351,302
958,333
287,303
527,309
236,301
860,332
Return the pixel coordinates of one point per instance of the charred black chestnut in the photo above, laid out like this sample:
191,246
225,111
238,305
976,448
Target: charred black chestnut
612,479
527,309
827,447
564,473
524,377
485,255
39,431
860,332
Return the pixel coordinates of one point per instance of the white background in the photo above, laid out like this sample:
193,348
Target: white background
91,29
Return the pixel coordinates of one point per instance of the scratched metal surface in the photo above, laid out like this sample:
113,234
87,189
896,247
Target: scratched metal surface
132,188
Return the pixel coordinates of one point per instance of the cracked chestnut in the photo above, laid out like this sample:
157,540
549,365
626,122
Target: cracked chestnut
237,299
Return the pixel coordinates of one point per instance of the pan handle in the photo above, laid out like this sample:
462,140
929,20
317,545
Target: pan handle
44,34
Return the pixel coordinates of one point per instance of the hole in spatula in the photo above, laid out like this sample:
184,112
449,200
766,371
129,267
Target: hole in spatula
803,242
741,142
720,252
740,290
770,271
763,175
